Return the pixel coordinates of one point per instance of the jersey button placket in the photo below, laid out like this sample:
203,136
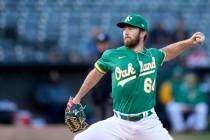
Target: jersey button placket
139,69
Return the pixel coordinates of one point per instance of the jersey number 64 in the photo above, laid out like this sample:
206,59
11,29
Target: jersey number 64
149,85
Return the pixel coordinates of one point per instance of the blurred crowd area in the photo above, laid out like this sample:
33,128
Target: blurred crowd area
59,31
75,34
185,98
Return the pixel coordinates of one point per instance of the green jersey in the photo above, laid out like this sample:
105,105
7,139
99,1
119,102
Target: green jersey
133,77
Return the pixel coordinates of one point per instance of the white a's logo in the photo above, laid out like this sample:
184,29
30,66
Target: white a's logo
128,19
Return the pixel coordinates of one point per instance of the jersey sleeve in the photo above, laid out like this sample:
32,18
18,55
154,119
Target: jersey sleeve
103,64
161,56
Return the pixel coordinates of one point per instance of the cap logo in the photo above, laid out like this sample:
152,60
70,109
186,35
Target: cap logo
128,19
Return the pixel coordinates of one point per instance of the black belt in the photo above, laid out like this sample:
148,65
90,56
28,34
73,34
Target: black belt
133,118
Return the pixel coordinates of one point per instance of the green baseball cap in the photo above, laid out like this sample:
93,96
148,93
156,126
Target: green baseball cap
134,20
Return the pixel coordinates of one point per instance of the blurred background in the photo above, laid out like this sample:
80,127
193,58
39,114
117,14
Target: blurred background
47,47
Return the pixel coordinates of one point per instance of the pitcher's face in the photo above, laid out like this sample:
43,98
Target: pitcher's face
131,36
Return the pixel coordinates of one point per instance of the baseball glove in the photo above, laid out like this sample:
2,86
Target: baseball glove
75,118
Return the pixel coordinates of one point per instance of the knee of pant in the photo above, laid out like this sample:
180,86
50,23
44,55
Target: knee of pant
83,136
77,137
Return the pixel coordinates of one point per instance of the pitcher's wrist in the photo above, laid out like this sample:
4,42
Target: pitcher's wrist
76,100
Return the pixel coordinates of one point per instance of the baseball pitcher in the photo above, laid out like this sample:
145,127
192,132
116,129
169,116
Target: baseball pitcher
134,70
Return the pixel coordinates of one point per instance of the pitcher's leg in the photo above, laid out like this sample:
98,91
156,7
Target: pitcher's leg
158,133
103,130
151,129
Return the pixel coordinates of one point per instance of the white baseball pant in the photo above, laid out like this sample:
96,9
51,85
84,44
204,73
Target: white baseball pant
113,128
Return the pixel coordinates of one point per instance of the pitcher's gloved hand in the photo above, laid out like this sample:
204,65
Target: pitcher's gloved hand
75,117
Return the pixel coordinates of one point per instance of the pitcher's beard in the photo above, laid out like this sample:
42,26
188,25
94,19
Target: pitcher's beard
131,43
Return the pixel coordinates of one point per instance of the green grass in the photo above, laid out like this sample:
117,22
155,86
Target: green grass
192,136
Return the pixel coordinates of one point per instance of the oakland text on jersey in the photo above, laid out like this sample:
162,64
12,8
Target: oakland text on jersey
130,73
147,68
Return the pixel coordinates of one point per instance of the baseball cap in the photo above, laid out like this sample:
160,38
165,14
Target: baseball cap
134,20
102,37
